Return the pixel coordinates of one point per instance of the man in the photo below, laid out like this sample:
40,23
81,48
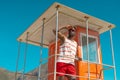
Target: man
67,54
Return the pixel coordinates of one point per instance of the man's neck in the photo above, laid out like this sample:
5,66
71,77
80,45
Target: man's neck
71,38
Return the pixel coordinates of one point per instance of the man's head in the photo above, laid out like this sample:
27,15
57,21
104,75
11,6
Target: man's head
71,32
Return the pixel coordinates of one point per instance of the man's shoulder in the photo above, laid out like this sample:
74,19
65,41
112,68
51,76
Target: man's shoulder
75,41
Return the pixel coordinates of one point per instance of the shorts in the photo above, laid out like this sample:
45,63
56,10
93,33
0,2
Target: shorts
65,68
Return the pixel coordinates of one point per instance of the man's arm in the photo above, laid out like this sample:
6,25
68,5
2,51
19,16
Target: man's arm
60,35
78,55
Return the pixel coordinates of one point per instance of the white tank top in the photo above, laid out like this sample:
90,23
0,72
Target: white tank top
67,51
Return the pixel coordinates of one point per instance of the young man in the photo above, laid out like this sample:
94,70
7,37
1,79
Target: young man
67,54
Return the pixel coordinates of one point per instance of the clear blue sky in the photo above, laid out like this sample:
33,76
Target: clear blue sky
17,15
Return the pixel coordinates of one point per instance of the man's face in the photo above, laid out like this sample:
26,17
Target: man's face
72,32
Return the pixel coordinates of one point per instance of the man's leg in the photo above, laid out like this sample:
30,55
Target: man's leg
71,77
72,71
60,77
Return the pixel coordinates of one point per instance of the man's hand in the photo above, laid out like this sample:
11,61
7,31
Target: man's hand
68,26
65,27
78,58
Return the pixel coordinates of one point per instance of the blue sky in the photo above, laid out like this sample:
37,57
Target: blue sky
17,15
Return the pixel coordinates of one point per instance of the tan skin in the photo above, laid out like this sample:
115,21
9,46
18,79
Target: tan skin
62,39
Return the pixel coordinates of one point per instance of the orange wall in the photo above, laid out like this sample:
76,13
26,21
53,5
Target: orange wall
81,66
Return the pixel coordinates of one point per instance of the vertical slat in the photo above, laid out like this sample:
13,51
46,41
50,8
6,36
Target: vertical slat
113,58
17,62
41,48
25,56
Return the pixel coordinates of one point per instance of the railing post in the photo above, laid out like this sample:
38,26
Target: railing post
56,39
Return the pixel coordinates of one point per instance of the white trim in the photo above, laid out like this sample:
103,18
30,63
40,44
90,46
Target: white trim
98,53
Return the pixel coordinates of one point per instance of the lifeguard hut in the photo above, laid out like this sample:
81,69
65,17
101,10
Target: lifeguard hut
88,31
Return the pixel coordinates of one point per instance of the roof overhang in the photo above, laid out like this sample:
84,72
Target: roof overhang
67,16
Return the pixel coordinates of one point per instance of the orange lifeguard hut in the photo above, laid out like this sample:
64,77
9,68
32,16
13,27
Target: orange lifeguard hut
88,31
